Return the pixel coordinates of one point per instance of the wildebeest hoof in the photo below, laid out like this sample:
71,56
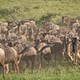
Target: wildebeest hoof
73,62
39,67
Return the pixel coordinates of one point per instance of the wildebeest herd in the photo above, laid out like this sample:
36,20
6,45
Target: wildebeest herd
24,42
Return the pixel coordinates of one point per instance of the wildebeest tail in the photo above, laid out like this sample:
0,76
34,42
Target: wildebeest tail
45,47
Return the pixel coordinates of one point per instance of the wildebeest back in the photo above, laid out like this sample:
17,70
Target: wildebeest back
9,54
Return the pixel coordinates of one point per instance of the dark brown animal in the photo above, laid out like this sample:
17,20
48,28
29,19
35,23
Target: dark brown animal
44,52
28,54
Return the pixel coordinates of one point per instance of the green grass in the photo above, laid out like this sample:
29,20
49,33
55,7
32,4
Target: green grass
48,73
39,10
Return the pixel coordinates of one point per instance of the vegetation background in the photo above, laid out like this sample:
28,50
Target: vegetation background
42,10
39,10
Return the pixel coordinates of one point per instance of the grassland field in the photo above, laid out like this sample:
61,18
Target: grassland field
41,10
47,73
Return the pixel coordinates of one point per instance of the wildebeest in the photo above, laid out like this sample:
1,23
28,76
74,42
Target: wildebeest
8,55
28,54
68,21
46,52
51,40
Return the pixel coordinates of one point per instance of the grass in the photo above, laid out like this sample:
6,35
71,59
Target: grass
39,10
48,73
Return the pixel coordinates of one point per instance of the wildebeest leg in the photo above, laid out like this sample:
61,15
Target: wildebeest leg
22,65
75,57
47,57
40,65
78,57
7,68
33,58
67,58
69,54
55,59
12,67
3,65
60,58
16,65
27,63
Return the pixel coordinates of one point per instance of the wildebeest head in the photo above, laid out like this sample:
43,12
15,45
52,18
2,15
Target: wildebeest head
11,23
65,19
